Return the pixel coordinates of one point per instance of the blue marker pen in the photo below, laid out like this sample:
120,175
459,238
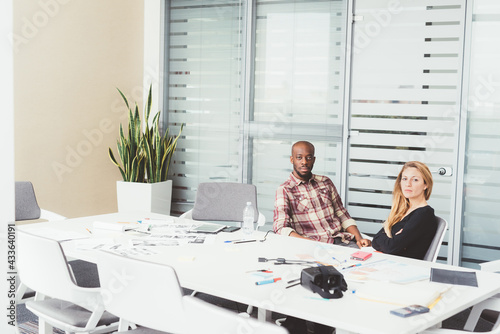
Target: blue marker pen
268,281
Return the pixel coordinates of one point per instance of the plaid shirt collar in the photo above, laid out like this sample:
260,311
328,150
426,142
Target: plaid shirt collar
295,181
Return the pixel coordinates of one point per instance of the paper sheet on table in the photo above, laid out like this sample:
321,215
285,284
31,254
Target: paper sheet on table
56,234
132,251
95,243
420,293
114,226
386,270
173,240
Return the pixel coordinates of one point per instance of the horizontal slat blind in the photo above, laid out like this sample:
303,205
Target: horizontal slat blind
298,89
481,221
204,93
405,97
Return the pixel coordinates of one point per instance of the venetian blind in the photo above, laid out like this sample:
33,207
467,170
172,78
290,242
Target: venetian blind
298,90
204,92
481,215
406,77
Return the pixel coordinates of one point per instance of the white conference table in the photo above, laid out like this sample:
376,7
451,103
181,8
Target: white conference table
221,269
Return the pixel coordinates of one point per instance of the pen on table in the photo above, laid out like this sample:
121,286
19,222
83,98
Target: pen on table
243,241
149,227
89,231
260,270
292,285
353,265
231,241
267,281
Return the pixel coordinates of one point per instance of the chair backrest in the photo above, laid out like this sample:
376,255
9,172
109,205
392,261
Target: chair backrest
26,205
435,245
211,319
43,267
224,201
141,292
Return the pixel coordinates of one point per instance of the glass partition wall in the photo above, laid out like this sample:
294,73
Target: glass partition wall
372,83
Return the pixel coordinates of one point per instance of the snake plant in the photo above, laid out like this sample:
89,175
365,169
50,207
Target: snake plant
145,156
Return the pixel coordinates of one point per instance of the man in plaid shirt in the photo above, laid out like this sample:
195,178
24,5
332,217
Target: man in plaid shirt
308,206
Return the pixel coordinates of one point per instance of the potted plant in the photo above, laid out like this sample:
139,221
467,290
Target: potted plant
144,159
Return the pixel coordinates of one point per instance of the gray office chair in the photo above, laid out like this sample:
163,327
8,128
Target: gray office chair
59,301
148,294
224,202
27,206
432,252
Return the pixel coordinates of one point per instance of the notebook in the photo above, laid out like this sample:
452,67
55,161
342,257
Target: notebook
454,277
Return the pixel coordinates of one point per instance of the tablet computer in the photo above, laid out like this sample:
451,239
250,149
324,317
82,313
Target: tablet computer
208,228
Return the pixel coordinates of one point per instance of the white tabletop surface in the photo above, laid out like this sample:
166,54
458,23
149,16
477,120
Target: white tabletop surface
221,269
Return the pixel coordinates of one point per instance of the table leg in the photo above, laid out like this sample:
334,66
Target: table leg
263,314
44,327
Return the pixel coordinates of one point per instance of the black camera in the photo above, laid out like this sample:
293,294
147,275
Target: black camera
326,281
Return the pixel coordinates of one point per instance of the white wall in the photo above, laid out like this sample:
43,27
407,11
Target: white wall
7,139
69,58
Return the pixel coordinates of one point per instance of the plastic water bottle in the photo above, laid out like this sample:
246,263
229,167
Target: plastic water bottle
248,217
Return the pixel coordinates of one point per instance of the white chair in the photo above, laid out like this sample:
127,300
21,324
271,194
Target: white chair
486,309
59,302
148,294
433,251
492,304
27,206
27,209
489,309
224,202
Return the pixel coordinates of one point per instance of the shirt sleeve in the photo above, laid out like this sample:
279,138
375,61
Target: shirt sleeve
418,225
281,215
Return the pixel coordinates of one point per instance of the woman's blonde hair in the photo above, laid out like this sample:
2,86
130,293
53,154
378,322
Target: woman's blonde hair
400,203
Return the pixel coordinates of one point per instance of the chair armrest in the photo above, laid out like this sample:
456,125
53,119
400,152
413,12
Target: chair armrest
51,216
491,266
187,214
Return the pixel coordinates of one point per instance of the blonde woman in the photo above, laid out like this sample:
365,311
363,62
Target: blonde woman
411,224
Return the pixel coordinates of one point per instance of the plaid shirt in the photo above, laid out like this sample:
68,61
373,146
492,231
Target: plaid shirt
311,208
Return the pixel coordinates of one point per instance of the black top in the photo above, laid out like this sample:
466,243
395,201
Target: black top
417,231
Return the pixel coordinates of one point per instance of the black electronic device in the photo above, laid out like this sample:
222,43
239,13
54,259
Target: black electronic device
326,281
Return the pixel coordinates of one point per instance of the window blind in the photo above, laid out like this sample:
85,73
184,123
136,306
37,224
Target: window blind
405,101
298,90
481,216
204,93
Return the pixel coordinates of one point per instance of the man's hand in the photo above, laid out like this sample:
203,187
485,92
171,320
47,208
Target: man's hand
296,235
364,243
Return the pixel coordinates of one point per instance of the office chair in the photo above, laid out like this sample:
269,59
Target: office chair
486,310
435,245
492,304
224,201
149,294
27,209
42,266
27,206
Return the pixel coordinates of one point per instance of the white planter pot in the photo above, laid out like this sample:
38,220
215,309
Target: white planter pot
144,197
